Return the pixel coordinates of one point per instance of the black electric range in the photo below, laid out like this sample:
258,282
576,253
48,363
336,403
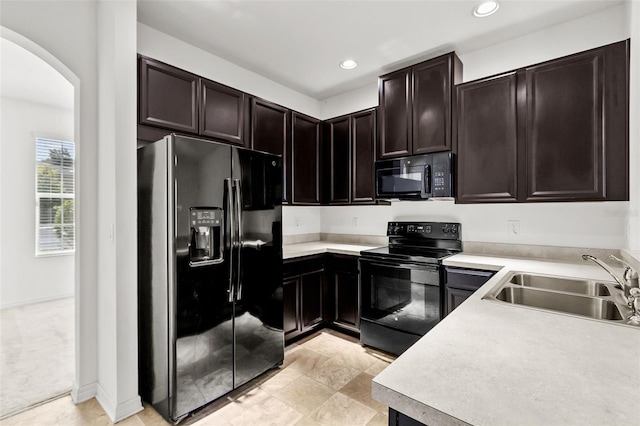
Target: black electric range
402,284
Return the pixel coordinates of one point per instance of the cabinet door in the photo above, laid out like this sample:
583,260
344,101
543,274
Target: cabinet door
564,143
167,97
487,140
432,102
363,141
222,112
338,138
291,301
455,297
271,132
305,159
347,300
311,309
394,96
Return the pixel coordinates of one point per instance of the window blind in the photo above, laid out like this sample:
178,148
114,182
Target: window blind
55,196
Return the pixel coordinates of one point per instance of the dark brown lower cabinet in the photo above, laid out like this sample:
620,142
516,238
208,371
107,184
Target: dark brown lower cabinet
318,291
460,283
396,418
304,292
343,273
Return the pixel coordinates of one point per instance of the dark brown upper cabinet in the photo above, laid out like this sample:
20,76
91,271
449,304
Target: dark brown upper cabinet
487,134
167,97
363,148
556,131
415,107
222,112
338,132
271,132
350,151
305,159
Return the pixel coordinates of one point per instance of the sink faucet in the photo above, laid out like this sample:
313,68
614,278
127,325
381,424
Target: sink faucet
629,281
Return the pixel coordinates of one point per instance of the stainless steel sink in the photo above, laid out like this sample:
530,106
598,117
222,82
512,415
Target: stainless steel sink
589,288
586,298
591,307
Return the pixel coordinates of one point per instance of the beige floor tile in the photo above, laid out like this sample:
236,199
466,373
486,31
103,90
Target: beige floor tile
304,360
377,367
304,394
340,410
333,374
306,421
270,412
150,417
354,357
280,379
379,419
360,389
327,344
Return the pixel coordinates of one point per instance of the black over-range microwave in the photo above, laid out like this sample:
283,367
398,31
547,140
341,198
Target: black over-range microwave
416,177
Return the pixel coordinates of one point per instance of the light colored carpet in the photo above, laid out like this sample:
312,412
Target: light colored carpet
36,354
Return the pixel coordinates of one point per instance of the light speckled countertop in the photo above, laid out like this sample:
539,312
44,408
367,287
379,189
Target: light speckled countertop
317,247
491,363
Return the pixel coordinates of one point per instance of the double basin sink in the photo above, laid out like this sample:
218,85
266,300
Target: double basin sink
587,298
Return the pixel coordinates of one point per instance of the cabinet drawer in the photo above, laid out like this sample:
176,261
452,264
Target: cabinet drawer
466,279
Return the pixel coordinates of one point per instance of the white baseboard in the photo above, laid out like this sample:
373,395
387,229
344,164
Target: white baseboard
120,411
32,301
83,393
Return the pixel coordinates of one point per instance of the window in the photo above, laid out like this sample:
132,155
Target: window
55,197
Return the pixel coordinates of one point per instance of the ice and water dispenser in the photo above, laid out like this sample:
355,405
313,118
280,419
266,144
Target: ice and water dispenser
206,246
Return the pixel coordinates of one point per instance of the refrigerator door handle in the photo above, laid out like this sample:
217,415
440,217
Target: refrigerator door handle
238,196
232,243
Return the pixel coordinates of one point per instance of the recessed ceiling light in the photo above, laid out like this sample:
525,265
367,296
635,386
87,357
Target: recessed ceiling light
485,9
348,64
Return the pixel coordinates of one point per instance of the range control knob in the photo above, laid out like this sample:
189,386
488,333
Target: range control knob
454,229
445,230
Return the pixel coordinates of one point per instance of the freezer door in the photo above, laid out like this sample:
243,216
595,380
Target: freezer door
259,337
203,304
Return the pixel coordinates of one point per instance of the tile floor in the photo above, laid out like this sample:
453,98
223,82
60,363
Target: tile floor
325,380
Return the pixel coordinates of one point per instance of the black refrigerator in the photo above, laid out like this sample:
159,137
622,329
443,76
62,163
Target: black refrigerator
210,270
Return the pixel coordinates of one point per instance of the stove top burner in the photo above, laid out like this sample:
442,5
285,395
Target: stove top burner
408,254
424,242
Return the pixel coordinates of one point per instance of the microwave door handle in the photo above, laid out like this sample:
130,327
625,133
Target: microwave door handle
427,179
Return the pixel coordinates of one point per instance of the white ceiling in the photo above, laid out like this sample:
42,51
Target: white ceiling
300,43
26,77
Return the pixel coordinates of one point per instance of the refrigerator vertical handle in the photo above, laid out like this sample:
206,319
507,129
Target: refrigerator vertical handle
232,240
238,196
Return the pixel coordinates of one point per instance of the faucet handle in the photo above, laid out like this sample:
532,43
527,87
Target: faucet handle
630,274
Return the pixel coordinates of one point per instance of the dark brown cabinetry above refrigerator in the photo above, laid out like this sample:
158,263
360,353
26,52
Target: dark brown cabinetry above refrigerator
350,156
415,107
271,132
172,100
556,131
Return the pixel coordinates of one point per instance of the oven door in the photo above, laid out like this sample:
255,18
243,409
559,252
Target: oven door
401,296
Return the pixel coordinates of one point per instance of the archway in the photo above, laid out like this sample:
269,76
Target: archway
38,285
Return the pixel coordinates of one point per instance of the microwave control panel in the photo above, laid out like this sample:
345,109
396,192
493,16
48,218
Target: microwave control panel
433,230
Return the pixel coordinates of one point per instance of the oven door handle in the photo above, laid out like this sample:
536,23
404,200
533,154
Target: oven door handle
399,265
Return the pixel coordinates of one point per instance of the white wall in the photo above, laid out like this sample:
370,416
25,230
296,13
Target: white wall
598,225
297,220
592,225
172,51
25,277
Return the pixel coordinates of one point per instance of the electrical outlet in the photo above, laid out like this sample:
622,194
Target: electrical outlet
513,227
296,221
354,222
